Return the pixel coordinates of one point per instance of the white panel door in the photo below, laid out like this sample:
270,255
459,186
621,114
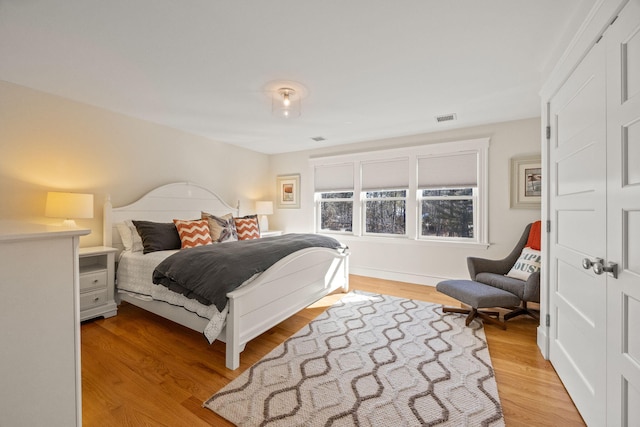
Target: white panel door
623,214
577,174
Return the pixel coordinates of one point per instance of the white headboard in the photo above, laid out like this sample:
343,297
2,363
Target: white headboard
180,200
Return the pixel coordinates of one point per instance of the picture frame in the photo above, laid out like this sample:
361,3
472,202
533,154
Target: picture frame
526,182
288,191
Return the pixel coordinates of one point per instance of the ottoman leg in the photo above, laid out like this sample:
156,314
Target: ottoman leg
472,313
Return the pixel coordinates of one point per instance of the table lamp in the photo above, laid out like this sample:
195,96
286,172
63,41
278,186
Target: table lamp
69,206
263,209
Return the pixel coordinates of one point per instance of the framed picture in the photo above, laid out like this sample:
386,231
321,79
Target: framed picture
288,191
526,182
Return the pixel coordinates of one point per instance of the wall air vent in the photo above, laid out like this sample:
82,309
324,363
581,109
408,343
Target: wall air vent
318,138
446,118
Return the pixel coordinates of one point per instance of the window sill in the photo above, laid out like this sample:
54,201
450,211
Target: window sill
349,237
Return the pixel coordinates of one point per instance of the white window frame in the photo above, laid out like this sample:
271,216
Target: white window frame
365,199
479,146
474,200
318,202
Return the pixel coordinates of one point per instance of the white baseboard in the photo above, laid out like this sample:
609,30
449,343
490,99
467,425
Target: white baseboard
543,341
398,276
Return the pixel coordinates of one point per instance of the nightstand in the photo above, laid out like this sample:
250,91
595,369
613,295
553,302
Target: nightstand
271,233
97,284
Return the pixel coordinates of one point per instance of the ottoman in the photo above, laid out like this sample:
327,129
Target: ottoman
477,295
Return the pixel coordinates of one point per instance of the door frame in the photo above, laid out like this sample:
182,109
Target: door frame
598,20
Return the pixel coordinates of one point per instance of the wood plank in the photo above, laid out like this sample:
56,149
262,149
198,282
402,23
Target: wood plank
140,369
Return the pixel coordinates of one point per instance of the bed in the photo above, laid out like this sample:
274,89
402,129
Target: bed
289,285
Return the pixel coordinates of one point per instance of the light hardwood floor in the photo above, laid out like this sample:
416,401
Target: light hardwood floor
141,370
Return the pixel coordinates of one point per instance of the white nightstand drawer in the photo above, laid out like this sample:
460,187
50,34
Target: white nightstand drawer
94,280
93,299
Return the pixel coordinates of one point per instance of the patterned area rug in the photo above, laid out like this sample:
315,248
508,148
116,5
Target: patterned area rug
370,360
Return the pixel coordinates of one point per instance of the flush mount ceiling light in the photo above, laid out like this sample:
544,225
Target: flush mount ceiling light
286,103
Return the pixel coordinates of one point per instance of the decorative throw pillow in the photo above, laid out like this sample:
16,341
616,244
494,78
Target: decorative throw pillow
222,228
533,241
529,262
247,227
157,236
193,233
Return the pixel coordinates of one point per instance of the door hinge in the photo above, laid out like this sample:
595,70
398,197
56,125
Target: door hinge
548,226
548,320
548,132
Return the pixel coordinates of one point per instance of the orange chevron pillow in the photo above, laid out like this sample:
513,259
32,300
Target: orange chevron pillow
247,227
193,233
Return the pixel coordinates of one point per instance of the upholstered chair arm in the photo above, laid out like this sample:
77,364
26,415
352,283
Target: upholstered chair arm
483,265
532,288
499,266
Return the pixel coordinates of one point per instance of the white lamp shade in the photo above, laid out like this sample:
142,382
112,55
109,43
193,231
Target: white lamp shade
69,205
264,208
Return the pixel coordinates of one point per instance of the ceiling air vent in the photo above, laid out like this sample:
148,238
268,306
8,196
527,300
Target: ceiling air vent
318,138
446,118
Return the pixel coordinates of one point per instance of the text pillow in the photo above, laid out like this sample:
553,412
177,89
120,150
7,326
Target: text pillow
529,262
247,227
193,233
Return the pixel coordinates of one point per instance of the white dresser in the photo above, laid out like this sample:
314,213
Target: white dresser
39,325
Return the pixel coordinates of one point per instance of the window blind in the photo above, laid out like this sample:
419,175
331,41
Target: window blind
334,177
385,174
455,170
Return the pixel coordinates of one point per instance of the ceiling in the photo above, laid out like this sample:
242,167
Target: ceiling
370,69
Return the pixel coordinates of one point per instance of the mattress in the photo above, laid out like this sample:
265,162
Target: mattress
134,277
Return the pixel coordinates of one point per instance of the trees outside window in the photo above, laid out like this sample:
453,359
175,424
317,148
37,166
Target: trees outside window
385,212
336,211
447,213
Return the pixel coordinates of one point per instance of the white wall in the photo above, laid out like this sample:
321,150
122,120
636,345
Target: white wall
422,262
52,143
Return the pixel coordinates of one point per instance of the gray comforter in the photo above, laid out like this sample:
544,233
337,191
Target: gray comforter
208,273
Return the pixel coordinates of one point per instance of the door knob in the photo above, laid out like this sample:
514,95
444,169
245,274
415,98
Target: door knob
599,267
611,267
587,263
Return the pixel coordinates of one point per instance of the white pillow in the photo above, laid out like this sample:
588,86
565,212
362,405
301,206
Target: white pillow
131,240
527,263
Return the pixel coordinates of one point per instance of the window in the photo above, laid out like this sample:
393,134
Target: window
385,212
447,213
334,197
336,211
447,196
384,184
434,192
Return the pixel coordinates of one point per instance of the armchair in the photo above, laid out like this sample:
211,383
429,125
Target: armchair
492,273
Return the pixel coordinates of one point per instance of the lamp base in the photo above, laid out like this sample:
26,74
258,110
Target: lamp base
264,223
69,223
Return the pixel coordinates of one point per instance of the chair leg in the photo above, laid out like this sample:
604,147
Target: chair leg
520,311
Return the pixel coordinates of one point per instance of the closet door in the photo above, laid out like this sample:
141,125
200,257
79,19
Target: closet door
577,203
623,214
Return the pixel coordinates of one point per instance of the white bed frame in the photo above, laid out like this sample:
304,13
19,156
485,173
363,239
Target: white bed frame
290,285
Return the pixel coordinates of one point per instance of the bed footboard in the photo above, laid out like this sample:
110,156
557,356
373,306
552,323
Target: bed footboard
287,287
